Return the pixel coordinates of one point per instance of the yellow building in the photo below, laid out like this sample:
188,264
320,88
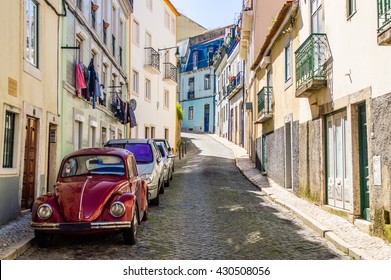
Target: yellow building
29,108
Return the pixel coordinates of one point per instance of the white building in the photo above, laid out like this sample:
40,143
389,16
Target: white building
154,71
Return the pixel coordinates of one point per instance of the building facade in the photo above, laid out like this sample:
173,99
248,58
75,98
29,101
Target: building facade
154,74
197,81
321,108
28,102
95,59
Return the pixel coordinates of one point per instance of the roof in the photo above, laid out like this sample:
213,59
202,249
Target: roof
273,31
100,150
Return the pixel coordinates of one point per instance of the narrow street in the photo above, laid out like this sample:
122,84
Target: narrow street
210,211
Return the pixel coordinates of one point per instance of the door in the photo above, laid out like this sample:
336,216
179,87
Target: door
30,155
339,188
263,162
363,155
206,117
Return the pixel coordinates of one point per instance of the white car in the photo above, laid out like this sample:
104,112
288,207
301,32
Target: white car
168,160
149,163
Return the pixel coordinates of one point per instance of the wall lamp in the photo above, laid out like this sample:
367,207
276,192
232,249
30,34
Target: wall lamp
177,54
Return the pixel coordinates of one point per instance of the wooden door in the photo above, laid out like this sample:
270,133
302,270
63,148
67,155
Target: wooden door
30,157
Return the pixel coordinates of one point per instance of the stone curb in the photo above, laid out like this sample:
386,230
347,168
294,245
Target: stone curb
16,250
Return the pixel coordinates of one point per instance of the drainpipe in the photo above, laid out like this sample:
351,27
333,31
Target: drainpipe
214,101
243,98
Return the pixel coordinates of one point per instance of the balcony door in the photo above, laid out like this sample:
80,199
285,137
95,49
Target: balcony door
339,187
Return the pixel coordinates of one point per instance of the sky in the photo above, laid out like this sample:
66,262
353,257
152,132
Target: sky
210,13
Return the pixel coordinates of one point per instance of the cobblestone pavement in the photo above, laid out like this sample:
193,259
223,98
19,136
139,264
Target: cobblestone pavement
210,211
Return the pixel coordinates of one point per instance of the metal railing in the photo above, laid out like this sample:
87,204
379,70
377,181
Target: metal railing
170,71
152,58
383,14
311,57
264,97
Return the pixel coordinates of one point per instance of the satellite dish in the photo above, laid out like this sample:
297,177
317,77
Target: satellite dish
133,104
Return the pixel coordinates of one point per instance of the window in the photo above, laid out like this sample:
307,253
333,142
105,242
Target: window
146,132
136,33
104,34
112,133
79,51
135,82
288,61
148,40
9,140
93,16
351,7
79,4
195,59
78,135
92,136
152,132
119,134
166,133
207,81
166,20
316,16
103,135
147,89
113,44
191,113
102,100
31,32
166,98
173,26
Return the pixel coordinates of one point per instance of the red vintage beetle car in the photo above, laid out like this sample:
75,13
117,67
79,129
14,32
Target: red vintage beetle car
97,190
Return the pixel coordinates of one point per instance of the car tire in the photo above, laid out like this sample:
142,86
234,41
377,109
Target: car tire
161,191
172,171
130,234
167,183
155,201
145,215
43,239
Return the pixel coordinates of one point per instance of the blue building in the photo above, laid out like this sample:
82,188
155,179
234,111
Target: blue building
197,80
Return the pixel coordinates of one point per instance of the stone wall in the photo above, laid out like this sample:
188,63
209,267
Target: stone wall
380,122
310,161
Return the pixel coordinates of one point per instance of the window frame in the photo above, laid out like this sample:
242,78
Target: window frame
148,89
28,5
190,115
135,82
351,8
14,141
288,61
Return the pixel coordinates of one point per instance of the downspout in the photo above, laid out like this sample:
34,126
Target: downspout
243,98
214,102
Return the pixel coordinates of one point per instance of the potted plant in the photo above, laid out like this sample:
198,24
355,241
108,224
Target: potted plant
94,7
106,25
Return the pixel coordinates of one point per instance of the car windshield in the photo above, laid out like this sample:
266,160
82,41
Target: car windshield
93,165
161,148
142,152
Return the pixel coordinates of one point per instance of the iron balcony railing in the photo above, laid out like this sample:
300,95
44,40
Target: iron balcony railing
152,58
311,57
265,101
383,14
170,71
247,5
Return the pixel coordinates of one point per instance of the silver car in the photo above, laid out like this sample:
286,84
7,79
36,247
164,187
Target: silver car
149,161
168,160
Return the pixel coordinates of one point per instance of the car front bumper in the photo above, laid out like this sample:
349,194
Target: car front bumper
78,227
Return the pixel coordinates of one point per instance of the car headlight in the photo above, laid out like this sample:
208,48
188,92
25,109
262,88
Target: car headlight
44,211
117,209
147,177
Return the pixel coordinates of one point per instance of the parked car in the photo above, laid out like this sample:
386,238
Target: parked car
97,190
168,163
149,163
169,149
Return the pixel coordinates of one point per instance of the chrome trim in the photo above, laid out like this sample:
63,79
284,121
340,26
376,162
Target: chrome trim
45,205
94,225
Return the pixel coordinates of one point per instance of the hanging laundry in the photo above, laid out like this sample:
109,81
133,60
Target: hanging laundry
91,79
79,79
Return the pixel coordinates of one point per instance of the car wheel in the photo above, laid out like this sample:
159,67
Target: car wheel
167,183
43,239
172,171
145,215
155,201
130,234
161,191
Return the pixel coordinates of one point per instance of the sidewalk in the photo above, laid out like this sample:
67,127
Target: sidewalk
343,234
16,237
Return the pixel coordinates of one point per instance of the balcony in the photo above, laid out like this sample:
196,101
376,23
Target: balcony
384,22
311,60
152,60
246,26
170,73
265,111
236,83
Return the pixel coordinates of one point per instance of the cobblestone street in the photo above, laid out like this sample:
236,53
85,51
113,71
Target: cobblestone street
210,211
